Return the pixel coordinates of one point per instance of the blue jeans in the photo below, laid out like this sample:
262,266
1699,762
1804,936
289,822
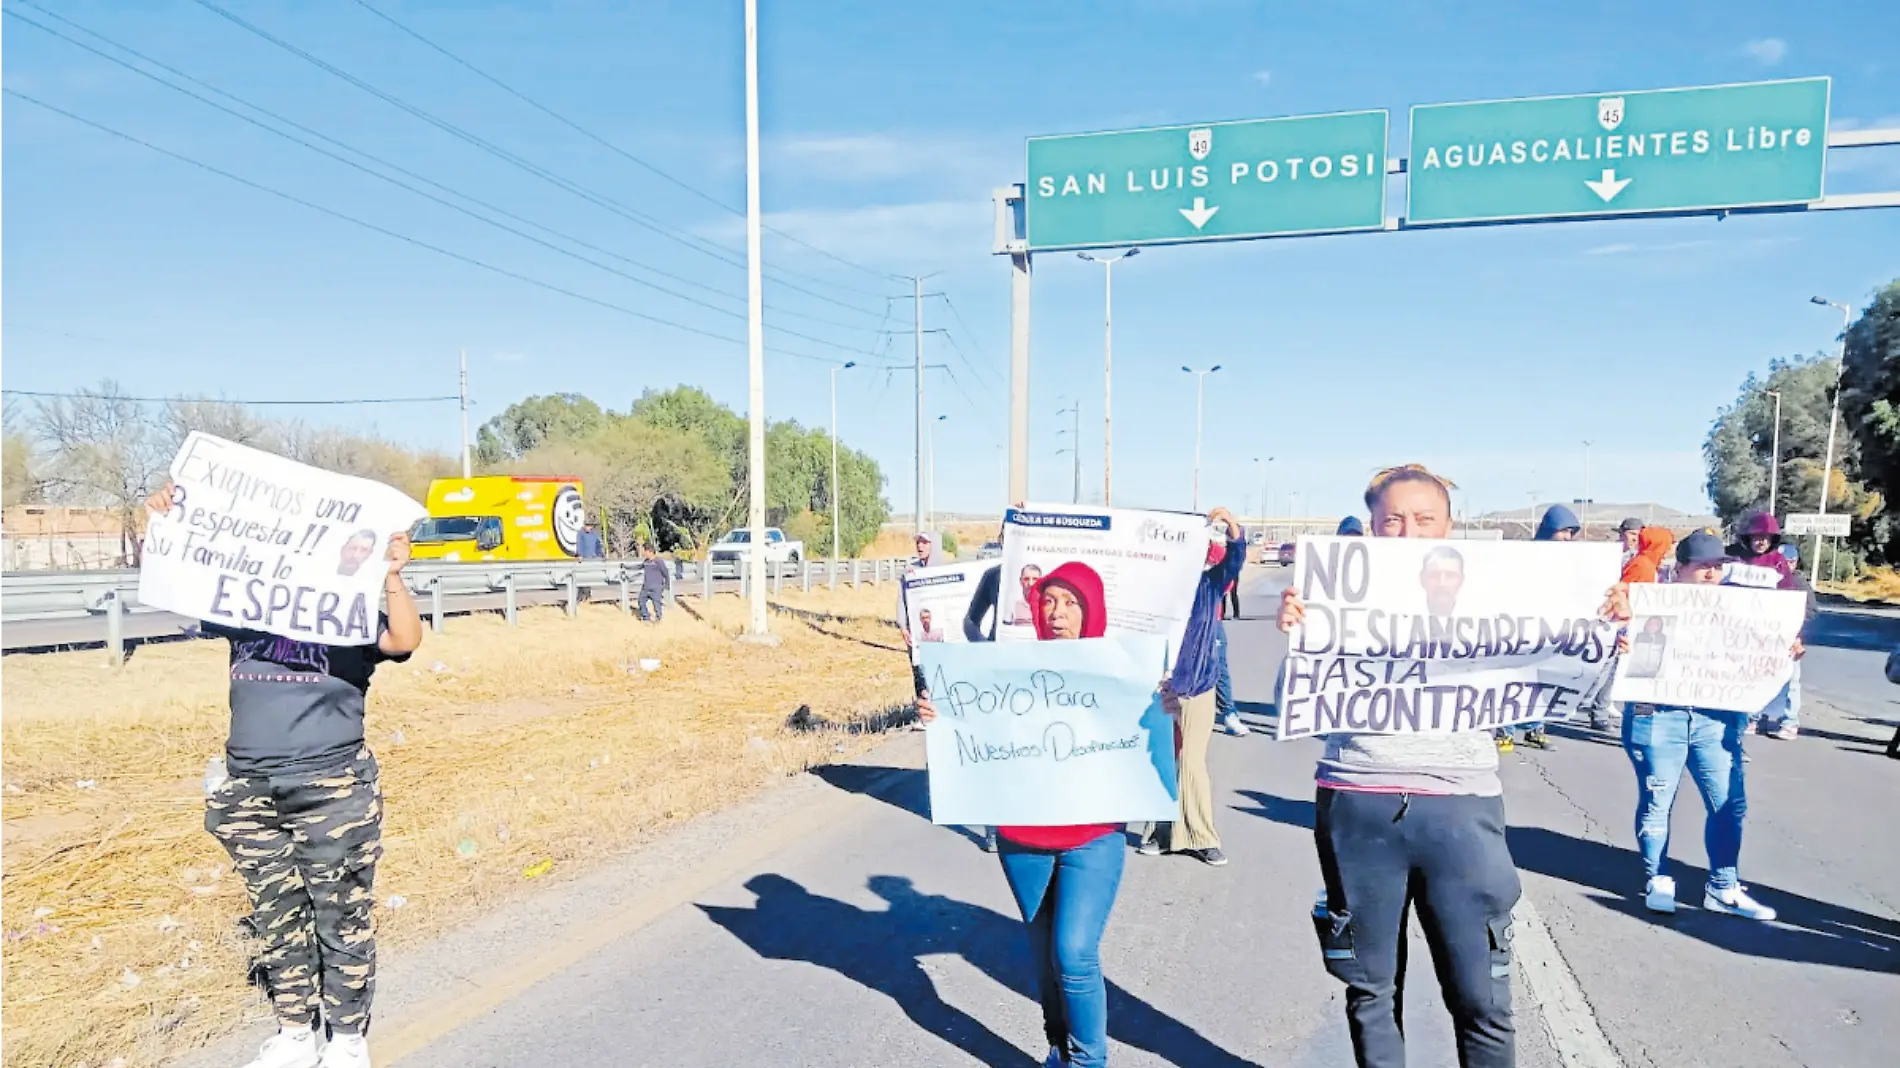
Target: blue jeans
1709,743
658,604
1224,682
1785,709
1065,897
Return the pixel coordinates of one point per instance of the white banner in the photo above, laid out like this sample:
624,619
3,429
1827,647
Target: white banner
1721,647
1146,566
263,543
1050,734
1409,636
937,598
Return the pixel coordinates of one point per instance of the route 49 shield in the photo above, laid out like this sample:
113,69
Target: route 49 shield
1200,143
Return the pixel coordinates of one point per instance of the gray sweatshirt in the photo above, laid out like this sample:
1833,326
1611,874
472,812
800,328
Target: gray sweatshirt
1463,763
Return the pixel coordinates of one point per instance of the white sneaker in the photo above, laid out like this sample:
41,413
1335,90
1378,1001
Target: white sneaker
1233,725
1736,902
346,1051
289,1049
1660,895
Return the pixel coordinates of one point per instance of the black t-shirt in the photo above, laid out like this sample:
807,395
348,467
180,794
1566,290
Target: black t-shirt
296,707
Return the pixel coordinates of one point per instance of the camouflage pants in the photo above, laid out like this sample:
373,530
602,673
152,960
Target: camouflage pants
306,847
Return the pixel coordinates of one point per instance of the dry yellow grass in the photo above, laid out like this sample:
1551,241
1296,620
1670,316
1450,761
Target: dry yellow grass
1876,584
543,742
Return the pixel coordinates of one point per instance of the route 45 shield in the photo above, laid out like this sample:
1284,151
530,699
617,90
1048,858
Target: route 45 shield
1200,143
1610,112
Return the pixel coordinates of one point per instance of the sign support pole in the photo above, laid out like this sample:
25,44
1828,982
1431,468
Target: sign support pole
1008,240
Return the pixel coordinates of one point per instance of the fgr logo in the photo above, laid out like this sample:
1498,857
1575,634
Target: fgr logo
1152,530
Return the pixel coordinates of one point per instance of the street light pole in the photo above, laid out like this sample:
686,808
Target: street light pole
834,456
1108,365
1200,391
1774,459
1584,519
1833,418
930,482
757,626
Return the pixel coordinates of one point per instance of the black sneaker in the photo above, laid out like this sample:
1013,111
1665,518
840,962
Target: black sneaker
1539,740
1213,858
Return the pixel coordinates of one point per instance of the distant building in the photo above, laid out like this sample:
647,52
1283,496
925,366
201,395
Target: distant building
50,537
1600,519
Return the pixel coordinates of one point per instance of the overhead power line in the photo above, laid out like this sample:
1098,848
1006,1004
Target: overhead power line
45,395
611,147
975,343
720,253
729,312
385,231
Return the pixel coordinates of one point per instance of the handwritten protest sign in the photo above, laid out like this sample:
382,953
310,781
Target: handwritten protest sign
257,541
937,598
1146,565
1050,733
1408,636
1723,647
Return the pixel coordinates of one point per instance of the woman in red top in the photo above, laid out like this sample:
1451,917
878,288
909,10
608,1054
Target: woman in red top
1065,878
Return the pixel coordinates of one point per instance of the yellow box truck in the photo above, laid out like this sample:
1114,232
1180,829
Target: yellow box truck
501,517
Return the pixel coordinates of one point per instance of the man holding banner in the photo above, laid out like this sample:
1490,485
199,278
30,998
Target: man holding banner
299,806
1407,658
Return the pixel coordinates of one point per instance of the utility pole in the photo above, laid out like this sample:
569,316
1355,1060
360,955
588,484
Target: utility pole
757,626
917,335
1075,446
466,463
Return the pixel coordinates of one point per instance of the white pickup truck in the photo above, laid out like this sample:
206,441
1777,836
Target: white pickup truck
731,548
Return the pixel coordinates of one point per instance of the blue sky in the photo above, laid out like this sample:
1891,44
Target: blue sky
1491,354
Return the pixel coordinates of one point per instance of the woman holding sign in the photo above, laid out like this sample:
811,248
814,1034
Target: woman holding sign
1663,741
1418,817
1065,879
301,811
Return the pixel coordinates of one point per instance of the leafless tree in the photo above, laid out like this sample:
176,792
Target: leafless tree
103,448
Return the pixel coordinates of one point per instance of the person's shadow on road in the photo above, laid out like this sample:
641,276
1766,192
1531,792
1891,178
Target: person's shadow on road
881,950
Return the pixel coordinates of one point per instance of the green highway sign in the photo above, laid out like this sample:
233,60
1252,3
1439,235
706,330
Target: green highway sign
1217,181
1761,144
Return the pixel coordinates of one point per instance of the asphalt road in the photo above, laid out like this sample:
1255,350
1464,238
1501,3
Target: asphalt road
828,923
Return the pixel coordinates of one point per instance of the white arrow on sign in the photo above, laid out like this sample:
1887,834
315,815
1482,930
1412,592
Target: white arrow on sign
1607,186
1199,213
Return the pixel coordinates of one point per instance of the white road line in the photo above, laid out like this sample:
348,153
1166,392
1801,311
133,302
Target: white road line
1573,1025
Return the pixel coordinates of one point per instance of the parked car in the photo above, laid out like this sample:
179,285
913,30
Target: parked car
991,550
1286,554
778,550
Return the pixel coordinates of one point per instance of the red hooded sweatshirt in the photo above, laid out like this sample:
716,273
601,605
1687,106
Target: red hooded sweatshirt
1082,580
1652,545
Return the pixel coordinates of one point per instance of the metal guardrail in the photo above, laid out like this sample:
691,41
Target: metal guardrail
95,606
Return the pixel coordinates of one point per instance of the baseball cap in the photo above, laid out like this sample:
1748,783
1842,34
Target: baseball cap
1701,547
1632,523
